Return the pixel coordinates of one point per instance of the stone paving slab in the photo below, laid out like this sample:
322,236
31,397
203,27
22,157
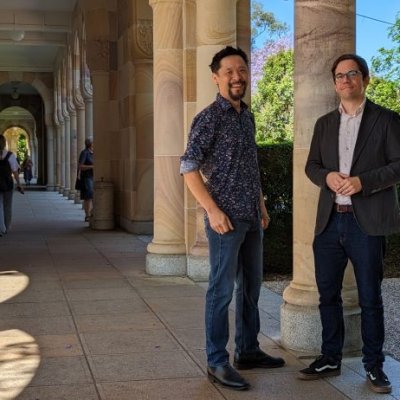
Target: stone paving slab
54,392
40,325
118,322
100,307
185,388
143,366
55,309
126,342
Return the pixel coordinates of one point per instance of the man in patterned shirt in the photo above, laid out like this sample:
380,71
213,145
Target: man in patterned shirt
222,147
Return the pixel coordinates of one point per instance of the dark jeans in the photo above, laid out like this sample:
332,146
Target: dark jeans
343,240
234,256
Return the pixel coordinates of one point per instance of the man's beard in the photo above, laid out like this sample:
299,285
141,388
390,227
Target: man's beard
238,96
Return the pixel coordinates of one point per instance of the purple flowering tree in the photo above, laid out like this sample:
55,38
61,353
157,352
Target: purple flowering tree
259,57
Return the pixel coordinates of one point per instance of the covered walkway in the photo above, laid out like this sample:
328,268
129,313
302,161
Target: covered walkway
80,320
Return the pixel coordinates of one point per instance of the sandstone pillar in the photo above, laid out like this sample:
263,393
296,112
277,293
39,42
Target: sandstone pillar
51,151
217,24
61,135
167,251
73,161
67,131
324,30
135,77
87,92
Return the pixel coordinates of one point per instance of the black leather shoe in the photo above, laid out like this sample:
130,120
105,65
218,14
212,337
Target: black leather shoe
227,376
258,359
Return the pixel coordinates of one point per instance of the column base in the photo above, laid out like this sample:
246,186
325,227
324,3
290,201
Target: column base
198,268
301,329
166,264
136,227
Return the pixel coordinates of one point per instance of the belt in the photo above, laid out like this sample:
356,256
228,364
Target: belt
343,208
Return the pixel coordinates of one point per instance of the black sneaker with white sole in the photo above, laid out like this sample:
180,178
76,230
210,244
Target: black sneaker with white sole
322,367
378,381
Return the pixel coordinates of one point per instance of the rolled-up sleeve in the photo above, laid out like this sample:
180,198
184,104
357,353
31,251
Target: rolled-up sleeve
200,137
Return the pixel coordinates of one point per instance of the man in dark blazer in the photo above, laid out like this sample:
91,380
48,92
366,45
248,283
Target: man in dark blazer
355,160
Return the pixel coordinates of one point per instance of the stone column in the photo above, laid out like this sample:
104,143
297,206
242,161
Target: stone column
135,95
243,10
324,30
50,158
67,131
213,33
87,92
61,136
167,251
73,162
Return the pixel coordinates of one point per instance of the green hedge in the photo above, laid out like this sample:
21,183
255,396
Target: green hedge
275,163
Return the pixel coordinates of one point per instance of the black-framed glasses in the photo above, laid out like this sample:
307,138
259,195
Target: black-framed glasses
349,74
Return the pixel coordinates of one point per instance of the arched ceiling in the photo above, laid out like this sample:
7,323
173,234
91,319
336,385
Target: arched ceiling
32,32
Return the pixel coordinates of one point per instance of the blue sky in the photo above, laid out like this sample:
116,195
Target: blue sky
370,34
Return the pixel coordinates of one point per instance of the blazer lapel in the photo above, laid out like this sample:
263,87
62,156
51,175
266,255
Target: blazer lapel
368,121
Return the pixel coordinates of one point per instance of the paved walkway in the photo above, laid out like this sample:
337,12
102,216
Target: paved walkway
80,320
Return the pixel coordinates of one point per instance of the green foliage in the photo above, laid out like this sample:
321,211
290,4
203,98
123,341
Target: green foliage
387,63
384,88
275,163
385,93
22,148
262,21
273,102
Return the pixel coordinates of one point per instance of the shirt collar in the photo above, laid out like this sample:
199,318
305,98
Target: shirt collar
226,104
359,109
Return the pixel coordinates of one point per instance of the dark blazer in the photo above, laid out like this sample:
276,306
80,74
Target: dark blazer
376,161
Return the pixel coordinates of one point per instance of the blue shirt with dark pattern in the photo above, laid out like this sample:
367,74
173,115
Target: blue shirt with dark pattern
222,146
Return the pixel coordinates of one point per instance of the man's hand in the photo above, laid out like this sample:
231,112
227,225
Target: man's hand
350,186
265,219
343,184
219,221
334,180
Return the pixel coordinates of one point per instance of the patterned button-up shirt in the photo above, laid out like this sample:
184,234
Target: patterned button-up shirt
222,146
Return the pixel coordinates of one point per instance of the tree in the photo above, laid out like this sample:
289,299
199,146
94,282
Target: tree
272,104
385,93
261,55
387,63
384,88
22,149
262,21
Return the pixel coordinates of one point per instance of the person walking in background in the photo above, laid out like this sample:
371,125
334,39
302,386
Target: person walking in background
27,168
85,171
9,167
355,160
222,146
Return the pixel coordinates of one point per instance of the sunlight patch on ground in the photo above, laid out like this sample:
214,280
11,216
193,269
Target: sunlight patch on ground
12,283
19,361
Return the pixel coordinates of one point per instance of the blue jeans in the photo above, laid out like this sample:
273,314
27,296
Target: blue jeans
5,210
342,240
235,256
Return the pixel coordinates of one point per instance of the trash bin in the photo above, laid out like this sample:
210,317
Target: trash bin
103,206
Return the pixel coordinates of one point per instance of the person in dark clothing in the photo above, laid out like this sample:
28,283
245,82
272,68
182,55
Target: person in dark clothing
354,159
27,168
85,171
222,146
